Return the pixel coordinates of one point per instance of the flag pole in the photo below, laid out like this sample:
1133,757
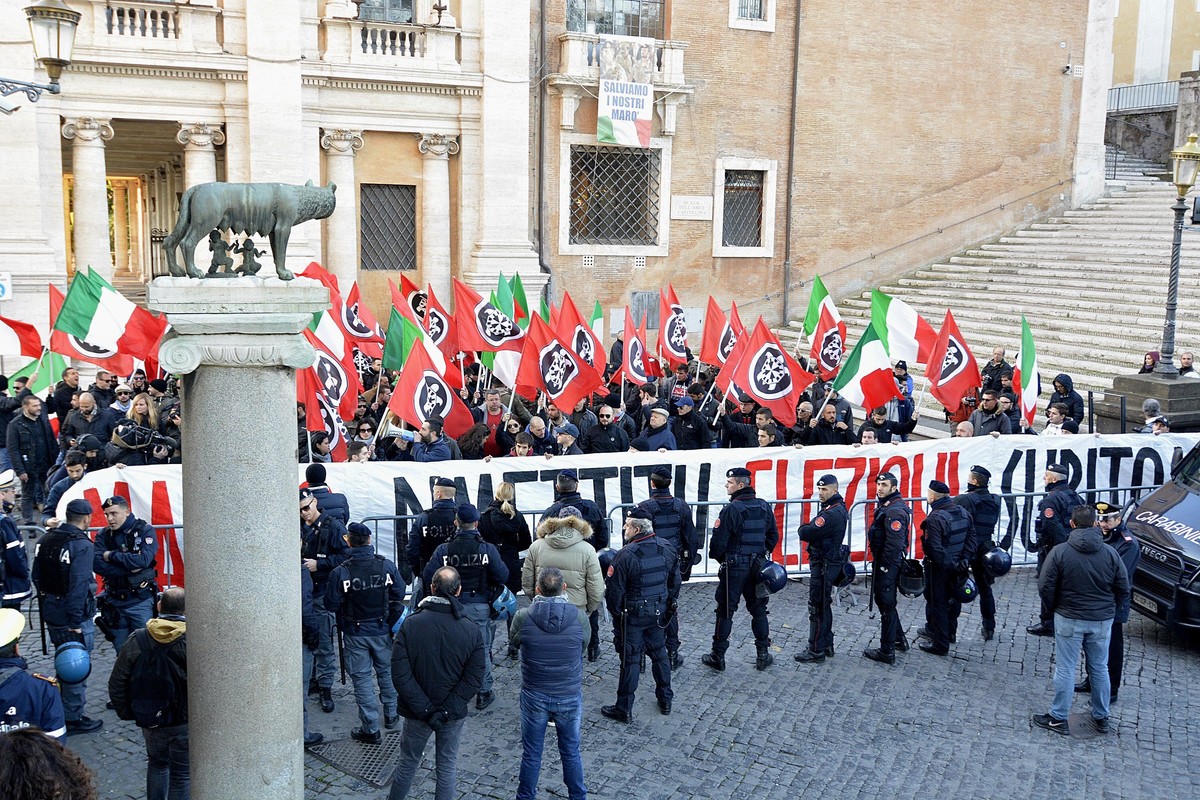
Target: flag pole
920,396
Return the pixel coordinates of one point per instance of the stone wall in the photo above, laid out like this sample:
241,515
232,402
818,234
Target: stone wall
1148,134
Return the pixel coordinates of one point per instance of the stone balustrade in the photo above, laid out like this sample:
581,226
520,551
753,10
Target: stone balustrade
386,44
580,60
137,26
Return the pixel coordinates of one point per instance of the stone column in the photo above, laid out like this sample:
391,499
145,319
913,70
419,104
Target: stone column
120,214
90,206
341,229
241,338
199,140
435,210
1089,166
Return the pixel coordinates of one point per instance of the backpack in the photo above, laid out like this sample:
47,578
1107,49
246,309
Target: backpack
159,682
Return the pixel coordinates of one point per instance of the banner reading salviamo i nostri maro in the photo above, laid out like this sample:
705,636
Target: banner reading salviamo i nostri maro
626,90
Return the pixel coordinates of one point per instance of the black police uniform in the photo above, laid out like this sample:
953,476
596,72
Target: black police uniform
434,527
743,535
323,542
1130,552
1053,526
983,508
641,595
672,520
944,538
888,537
29,700
15,587
824,535
129,574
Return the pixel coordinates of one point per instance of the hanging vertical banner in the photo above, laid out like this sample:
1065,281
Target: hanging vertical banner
627,65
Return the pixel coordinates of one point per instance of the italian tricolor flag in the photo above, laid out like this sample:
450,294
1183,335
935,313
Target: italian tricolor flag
866,378
1025,374
906,336
98,314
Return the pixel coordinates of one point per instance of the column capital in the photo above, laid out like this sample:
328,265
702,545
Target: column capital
87,129
437,145
342,141
200,134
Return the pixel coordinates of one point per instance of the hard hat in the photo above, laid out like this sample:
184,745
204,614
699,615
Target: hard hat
505,606
997,562
772,577
72,662
912,578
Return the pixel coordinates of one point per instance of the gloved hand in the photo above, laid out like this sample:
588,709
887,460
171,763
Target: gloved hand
438,719
310,635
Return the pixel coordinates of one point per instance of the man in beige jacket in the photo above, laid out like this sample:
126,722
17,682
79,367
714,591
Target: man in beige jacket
562,542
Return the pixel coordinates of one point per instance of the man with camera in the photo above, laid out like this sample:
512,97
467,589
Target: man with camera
125,558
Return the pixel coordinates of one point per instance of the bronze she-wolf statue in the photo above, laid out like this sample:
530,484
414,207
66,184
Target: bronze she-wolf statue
255,209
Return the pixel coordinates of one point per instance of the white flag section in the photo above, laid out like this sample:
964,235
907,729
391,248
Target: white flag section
389,494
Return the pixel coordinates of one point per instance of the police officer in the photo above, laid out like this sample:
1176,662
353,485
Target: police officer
888,537
642,594
125,557
1052,527
366,594
566,493
1118,537
62,572
483,574
26,700
824,535
15,587
434,526
983,508
946,535
322,549
742,536
672,520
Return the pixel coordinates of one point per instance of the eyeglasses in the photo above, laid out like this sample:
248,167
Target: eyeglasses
124,394
605,416
365,430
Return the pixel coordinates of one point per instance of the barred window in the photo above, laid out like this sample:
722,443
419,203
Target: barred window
752,9
397,11
742,223
614,195
388,224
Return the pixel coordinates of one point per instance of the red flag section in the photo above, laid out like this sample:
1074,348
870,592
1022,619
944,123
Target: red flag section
952,371
422,393
633,364
482,326
336,375
672,328
26,337
768,374
416,299
653,367
73,347
550,365
360,326
440,326
829,344
735,321
321,413
575,331
719,337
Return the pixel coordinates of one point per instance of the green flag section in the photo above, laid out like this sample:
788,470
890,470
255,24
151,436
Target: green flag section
866,377
402,334
818,298
504,296
544,311
42,373
1025,374
520,301
905,335
597,321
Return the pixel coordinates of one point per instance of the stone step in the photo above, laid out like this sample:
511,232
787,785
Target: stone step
1048,233
1155,269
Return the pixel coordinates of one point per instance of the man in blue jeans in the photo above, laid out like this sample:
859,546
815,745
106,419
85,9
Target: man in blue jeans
552,636
1084,583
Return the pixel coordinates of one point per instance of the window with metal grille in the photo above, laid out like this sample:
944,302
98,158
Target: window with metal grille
618,17
614,195
752,9
388,225
742,224
399,11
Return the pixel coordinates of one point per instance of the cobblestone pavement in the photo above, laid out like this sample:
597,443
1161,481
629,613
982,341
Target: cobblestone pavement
929,726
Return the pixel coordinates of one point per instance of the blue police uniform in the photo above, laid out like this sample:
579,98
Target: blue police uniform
15,587
323,542
824,535
944,538
366,593
129,574
62,572
888,537
433,527
1053,526
672,520
641,594
29,700
983,508
743,535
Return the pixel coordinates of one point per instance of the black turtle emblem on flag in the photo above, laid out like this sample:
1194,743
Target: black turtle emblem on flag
432,396
954,362
727,342
332,376
436,325
832,348
354,324
558,368
636,367
494,325
91,349
582,343
675,333
768,375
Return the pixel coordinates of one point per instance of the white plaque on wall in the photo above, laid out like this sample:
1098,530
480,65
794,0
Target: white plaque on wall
685,206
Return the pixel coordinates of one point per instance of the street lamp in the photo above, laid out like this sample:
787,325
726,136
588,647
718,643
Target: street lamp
1186,161
52,25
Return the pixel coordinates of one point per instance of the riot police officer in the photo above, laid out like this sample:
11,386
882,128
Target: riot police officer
672,520
1118,537
945,537
483,573
888,537
826,558
15,587
366,594
322,548
743,535
642,595
566,493
26,700
125,557
983,508
62,572
1052,527
433,527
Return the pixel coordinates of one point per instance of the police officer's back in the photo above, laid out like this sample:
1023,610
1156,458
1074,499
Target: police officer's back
983,507
946,535
433,527
1053,526
672,519
26,700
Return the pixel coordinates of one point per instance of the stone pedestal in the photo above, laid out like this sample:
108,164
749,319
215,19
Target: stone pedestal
1180,399
237,343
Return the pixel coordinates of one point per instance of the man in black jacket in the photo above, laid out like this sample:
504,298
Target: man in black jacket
322,548
606,436
824,535
437,666
32,450
691,431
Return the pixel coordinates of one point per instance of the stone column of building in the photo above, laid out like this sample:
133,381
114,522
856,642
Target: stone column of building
1089,166
341,229
89,208
504,206
435,210
138,237
120,218
239,340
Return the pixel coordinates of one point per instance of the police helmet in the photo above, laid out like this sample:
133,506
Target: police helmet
997,562
772,577
505,606
404,613
912,578
965,592
846,576
606,559
72,662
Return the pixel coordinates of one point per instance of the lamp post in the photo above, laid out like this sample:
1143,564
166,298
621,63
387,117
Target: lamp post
52,25
1186,161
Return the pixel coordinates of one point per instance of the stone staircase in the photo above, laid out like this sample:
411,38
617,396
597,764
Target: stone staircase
1091,282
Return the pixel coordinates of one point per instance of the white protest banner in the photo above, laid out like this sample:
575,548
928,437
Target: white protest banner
398,491
626,104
